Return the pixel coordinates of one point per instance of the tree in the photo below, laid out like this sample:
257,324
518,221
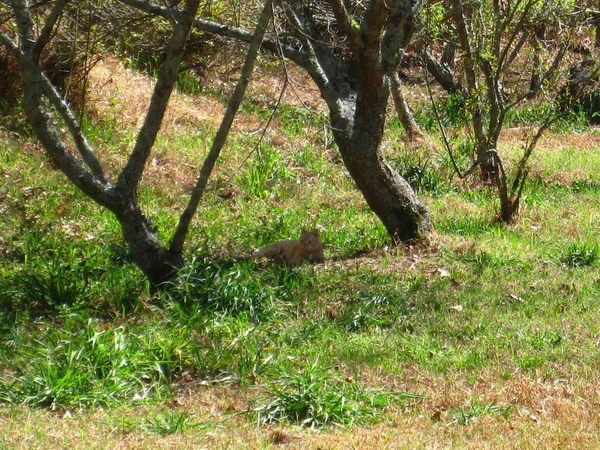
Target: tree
41,99
497,40
351,51
376,35
357,99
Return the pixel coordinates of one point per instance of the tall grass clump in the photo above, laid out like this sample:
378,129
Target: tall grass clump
314,397
365,311
580,254
235,288
81,362
260,177
477,409
421,173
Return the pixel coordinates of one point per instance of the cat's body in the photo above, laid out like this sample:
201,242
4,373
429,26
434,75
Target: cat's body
307,248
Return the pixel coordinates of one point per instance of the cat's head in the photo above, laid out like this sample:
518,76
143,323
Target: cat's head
310,239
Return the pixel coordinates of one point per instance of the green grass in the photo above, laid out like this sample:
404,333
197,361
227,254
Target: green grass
339,343
466,416
313,397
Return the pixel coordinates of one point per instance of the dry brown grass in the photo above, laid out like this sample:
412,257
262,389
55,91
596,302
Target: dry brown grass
119,92
547,414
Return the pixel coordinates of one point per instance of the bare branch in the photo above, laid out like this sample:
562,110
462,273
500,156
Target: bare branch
345,22
36,85
469,67
319,60
55,98
441,74
521,174
81,143
443,131
169,71
403,110
10,45
217,28
46,33
176,245
399,29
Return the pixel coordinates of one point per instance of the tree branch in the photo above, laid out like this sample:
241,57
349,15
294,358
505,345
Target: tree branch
441,74
178,239
167,77
318,59
217,28
399,29
36,85
10,45
81,143
55,98
345,23
403,110
373,22
46,33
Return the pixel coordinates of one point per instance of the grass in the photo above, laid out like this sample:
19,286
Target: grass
312,397
485,338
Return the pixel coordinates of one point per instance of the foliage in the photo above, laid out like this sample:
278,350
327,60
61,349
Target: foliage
168,422
233,288
364,311
493,40
486,312
267,166
421,173
87,364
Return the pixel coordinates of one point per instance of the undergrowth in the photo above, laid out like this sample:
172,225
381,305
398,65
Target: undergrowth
314,345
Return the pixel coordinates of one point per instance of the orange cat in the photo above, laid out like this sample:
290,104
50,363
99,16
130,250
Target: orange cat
307,248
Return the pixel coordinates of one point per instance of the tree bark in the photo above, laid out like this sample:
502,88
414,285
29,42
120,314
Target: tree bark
442,74
385,28
156,261
358,118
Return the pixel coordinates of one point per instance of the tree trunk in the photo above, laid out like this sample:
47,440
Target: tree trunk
81,166
388,195
358,130
158,263
596,24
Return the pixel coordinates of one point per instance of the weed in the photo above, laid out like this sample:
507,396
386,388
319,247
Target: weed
466,416
297,119
492,305
261,175
232,287
167,422
57,283
315,398
585,186
420,174
86,364
580,254
364,311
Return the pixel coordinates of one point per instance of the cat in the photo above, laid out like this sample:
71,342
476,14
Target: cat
307,248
